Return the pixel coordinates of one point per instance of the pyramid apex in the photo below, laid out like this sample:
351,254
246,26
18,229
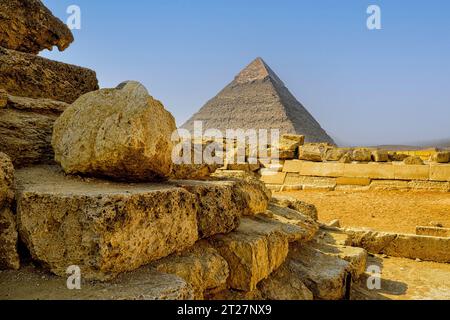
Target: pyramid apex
256,70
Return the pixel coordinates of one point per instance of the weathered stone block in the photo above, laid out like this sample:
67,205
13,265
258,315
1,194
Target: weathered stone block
27,75
292,166
253,252
401,245
201,266
284,284
218,211
126,135
440,172
28,26
381,185
353,181
442,157
273,177
433,231
369,170
105,228
293,203
362,155
311,153
412,172
435,186
326,275
9,258
322,169
380,156
26,127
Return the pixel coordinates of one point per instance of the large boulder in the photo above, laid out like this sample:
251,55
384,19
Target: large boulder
9,258
120,133
27,75
104,228
26,127
28,26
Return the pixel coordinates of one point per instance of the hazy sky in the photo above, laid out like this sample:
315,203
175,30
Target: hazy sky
386,86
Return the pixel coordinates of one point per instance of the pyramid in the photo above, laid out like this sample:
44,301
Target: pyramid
258,99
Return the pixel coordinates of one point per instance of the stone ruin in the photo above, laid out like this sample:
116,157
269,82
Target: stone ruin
86,180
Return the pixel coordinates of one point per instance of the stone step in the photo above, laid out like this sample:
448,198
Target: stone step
106,228
201,266
27,75
109,227
257,248
26,127
30,283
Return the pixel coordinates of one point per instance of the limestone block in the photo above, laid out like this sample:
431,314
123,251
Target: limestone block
362,155
327,276
105,228
293,166
26,127
432,231
413,160
311,153
126,135
353,181
284,284
27,75
9,258
273,177
435,186
387,185
28,26
442,157
440,172
201,266
380,156
401,245
412,172
322,169
369,170
293,203
218,211
253,252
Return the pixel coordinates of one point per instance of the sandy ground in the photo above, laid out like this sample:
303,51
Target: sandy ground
392,211
405,279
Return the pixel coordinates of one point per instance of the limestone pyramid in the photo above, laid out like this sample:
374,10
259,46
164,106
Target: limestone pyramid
258,99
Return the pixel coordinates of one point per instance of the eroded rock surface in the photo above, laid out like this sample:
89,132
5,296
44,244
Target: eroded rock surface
27,75
120,133
105,228
26,127
9,258
28,26
201,266
30,283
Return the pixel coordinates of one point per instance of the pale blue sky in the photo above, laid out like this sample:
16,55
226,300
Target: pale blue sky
390,86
